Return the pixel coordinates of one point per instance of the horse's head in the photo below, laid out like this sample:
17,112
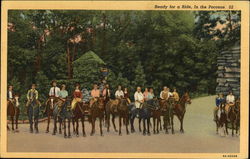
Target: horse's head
101,102
186,98
123,102
16,100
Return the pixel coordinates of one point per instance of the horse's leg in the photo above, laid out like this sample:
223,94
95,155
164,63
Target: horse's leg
30,113
113,121
232,127
12,123
154,125
108,121
161,124
73,124
48,113
77,127
132,123
226,127
120,125
93,126
148,124
17,116
65,134
60,126
83,128
140,124
69,135
144,127
126,118
54,130
100,124
158,122
36,116
172,123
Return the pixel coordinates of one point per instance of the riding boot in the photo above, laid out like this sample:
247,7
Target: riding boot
31,129
137,114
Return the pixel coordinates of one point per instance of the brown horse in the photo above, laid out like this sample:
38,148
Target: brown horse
237,109
97,111
49,108
118,108
180,109
221,120
167,112
233,116
79,113
156,114
13,112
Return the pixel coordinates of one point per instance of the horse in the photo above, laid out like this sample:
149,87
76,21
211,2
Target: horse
233,117
237,110
120,108
66,113
33,109
221,120
79,113
111,108
97,111
167,112
156,114
180,109
144,113
13,112
49,109
57,106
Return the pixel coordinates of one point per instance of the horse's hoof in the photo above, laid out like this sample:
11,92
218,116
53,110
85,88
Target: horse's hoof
102,135
144,133
84,135
47,131
127,133
132,131
120,134
149,134
172,132
37,131
77,135
166,132
158,132
53,133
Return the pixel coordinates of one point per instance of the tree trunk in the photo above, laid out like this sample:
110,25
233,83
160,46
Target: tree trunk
69,62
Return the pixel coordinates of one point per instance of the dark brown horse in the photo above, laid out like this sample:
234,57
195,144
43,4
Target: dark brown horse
79,113
97,111
49,108
233,116
118,108
180,109
221,120
156,114
167,112
237,109
13,112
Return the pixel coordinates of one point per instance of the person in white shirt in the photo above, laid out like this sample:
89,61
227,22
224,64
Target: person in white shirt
165,94
230,99
139,98
10,94
54,90
119,93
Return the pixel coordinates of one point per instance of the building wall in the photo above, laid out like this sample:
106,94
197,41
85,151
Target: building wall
228,73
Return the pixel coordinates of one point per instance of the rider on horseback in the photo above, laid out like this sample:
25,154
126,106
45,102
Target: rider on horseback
77,94
95,93
230,99
219,99
63,94
54,92
10,94
150,94
139,98
165,94
176,96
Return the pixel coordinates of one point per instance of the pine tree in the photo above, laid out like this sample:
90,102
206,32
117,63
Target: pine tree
139,76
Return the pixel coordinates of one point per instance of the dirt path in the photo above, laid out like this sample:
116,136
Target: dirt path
199,136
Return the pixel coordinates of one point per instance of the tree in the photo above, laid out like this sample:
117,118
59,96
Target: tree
87,68
139,76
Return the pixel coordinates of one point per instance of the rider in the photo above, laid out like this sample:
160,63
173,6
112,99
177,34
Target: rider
86,95
165,94
77,94
32,97
145,94
119,93
10,94
63,94
219,99
151,94
95,93
230,99
54,92
139,98
126,95
106,93
176,95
